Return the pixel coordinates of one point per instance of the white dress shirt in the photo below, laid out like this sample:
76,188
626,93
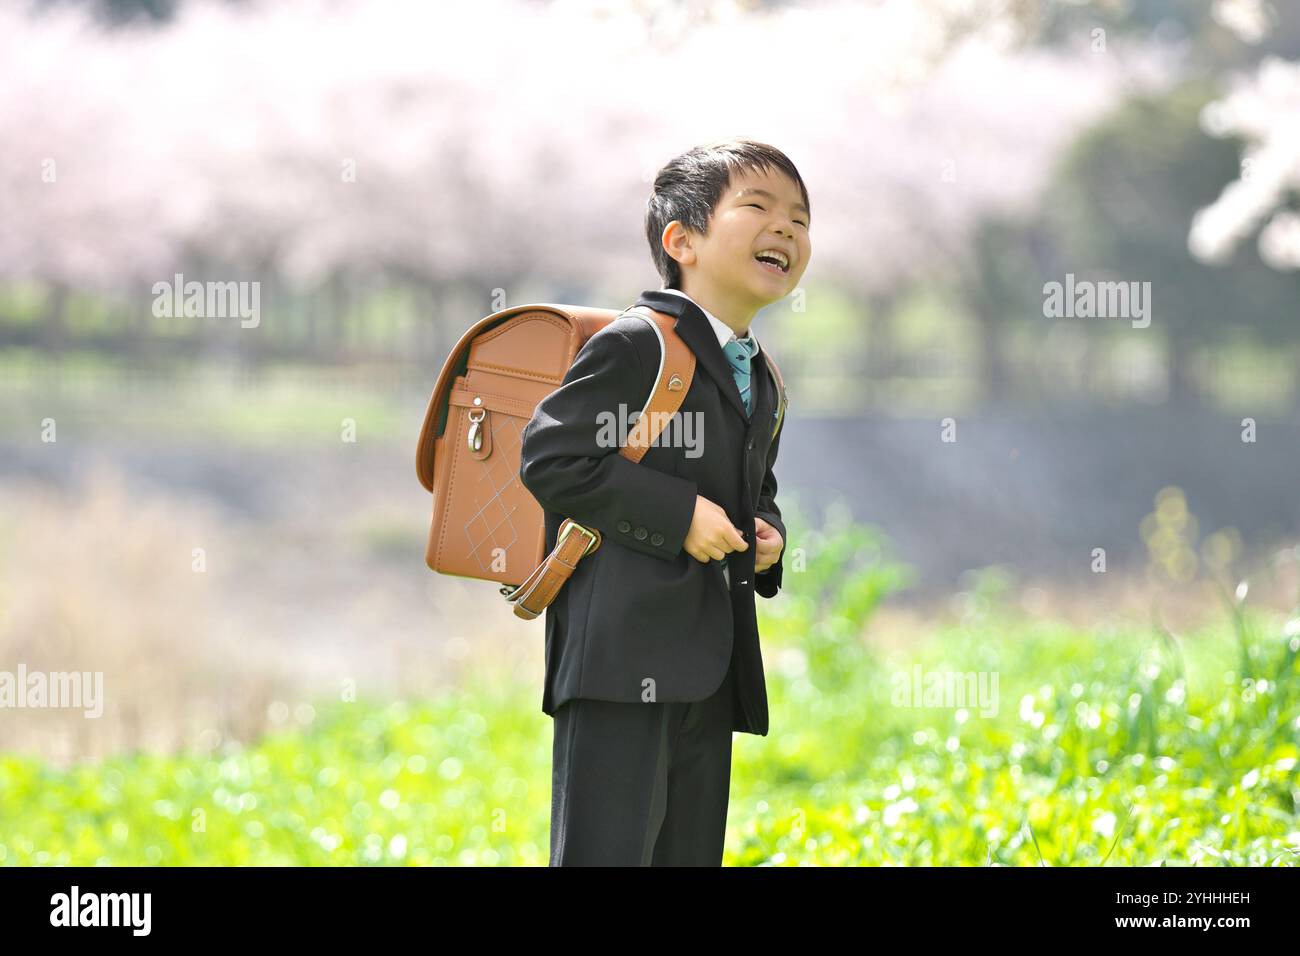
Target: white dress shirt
720,328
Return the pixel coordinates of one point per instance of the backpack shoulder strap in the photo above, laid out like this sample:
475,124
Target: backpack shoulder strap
780,387
672,382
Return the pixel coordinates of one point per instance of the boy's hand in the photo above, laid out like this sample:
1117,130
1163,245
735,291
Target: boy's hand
770,545
711,535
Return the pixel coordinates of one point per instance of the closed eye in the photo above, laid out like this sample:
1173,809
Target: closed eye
757,206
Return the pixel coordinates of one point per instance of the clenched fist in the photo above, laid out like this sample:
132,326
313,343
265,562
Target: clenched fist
712,535
770,545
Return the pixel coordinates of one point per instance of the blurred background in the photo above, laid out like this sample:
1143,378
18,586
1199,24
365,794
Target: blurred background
222,516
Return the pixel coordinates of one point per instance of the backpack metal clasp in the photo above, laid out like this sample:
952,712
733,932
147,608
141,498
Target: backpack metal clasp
475,437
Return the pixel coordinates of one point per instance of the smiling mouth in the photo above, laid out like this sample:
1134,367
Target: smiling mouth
773,262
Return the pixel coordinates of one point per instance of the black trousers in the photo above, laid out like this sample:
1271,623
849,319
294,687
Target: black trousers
641,784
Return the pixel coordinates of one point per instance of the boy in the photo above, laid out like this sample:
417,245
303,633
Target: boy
652,651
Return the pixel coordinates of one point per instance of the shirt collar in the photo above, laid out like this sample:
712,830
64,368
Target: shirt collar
720,328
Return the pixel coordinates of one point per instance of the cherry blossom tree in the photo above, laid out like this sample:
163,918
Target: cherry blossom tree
508,144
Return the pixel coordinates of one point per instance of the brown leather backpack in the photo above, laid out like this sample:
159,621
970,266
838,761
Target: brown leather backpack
486,524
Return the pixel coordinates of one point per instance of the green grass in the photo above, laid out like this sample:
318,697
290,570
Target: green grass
89,394
1111,746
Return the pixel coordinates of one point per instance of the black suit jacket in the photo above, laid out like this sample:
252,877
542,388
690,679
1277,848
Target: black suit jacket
640,619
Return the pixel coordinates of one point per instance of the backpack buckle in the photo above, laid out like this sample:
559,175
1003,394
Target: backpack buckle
574,526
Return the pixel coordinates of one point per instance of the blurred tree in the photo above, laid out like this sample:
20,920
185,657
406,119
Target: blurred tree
1211,32
998,282
1254,45
120,12
418,156
1120,208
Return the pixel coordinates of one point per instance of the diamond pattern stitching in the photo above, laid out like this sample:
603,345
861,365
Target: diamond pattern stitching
482,527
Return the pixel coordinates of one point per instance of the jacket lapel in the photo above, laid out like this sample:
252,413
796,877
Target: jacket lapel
695,330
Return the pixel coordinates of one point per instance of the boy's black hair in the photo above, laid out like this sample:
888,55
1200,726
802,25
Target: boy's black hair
689,187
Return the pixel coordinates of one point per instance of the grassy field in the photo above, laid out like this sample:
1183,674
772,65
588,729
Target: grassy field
1110,746
86,393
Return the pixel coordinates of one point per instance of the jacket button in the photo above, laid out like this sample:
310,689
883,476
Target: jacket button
624,526
656,539
639,533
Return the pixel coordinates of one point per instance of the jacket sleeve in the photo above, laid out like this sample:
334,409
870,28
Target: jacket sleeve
767,583
571,466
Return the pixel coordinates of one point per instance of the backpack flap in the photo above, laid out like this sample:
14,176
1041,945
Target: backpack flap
485,524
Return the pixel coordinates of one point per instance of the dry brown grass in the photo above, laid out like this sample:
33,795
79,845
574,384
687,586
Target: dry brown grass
1121,599
302,606
105,581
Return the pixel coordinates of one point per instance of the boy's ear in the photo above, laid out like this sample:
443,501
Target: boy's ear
677,243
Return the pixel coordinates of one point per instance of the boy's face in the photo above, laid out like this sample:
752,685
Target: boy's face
724,265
